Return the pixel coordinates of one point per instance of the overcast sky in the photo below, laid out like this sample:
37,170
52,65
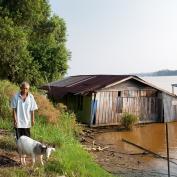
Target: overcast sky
119,36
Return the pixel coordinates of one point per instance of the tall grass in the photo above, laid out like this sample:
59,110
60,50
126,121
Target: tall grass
69,159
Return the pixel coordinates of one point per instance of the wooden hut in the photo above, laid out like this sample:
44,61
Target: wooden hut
102,99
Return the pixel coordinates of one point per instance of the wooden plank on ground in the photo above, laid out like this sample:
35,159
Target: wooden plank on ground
151,152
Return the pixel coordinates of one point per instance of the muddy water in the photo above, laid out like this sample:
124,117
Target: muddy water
151,137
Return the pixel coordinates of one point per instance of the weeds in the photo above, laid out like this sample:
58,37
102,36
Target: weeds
7,143
128,120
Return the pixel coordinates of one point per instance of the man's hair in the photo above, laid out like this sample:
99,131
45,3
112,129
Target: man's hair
24,84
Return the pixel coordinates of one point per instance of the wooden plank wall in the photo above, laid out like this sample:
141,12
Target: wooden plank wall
110,107
170,108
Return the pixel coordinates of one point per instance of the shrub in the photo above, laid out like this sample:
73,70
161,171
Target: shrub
62,107
128,120
46,108
7,90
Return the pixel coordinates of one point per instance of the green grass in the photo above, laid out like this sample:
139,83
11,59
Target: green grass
12,172
69,159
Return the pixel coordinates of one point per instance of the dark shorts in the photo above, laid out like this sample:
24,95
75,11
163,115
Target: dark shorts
22,131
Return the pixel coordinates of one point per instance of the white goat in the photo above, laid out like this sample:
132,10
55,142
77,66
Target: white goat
28,146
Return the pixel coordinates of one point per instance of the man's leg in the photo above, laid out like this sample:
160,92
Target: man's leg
22,131
26,132
18,133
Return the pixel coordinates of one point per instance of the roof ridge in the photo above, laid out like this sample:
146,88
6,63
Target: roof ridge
101,75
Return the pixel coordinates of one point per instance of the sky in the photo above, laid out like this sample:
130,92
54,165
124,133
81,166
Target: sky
119,36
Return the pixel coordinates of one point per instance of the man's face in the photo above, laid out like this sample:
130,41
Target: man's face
24,89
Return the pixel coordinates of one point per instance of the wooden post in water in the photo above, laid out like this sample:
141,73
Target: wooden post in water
168,160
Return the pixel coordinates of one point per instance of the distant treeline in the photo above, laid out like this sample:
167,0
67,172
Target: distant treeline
165,72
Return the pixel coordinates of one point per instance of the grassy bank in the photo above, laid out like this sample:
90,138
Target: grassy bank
69,159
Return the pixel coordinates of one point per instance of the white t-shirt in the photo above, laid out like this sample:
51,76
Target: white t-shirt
23,109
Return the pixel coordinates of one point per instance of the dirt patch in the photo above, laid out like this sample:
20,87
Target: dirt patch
9,156
7,162
115,159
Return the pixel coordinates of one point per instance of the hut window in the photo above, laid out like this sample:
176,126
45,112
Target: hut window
119,93
80,103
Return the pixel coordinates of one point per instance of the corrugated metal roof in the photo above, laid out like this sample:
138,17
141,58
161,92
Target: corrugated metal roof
83,84
69,81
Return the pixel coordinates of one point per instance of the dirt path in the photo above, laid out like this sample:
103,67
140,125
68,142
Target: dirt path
118,161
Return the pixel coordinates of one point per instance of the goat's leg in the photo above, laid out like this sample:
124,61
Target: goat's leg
24,159
33,160
21,159
41,158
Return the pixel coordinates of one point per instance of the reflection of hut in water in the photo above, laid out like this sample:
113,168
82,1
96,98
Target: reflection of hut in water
102,99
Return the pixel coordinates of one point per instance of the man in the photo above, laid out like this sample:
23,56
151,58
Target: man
23,105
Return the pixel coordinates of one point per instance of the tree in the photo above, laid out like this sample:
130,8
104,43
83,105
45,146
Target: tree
26,12
32,43
15,60
48,49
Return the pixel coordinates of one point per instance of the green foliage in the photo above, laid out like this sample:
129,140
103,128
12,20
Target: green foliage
6,91
128,120
15,60
27,12
32,42
47,47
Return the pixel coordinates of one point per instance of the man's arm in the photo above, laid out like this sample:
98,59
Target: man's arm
32,118
14,117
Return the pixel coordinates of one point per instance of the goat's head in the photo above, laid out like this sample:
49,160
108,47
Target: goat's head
49,150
